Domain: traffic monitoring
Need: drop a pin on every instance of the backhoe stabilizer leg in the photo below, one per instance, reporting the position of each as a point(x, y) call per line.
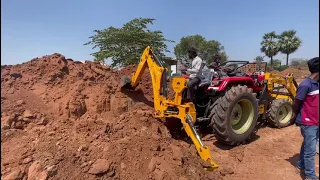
point(203, 151)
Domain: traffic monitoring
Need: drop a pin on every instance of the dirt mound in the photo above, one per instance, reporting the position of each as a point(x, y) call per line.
point(299, 73)
point(64, 119)
point(67, 119)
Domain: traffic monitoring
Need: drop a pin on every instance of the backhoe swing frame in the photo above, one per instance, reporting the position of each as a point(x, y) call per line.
point(167, 108)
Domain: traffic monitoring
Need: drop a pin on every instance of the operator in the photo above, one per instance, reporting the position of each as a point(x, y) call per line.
point(306, 110)
point(216, 64)
point(192, 72)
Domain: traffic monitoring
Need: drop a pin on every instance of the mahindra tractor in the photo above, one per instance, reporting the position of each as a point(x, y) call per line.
point(232, 101)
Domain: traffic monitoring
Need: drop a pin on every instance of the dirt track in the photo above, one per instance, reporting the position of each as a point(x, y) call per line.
point(63, 119)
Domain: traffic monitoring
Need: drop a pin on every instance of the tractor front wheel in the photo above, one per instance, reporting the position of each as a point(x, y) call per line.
point(234, 115)
point(280, 113)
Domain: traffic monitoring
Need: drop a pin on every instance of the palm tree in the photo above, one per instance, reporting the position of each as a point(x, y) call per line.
point(269, 45)
point(289, 43)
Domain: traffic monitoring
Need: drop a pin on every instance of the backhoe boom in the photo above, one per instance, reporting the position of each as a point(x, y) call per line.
point(156, 72)
point(167, 108)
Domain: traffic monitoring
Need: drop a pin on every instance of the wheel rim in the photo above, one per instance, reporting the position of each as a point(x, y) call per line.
point(242, 115)
point(284, 113)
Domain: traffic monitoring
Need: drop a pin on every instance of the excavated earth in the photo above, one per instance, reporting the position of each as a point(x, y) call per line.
point(65, 119)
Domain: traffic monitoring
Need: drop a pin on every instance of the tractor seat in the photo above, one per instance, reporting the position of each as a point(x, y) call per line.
point(231, 74)
point(207, 76)
point(236, 73)
point(206, 83)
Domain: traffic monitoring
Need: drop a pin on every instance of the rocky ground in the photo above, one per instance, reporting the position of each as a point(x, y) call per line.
point(64, 119)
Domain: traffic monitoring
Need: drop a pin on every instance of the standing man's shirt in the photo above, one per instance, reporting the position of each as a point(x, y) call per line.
point(195, 66)
point(308, 92)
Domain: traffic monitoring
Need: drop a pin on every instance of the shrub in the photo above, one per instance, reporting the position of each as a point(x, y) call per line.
point(281, 68)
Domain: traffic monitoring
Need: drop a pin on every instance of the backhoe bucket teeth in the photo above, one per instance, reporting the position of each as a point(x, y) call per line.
point(125, 82)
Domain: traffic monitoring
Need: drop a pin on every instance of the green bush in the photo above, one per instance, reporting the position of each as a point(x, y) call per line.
point(299, 63)
point(295, 63)
point(281, 68)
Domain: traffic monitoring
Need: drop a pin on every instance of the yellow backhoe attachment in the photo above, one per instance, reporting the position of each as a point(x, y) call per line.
point(287, 82)
point(165, 107)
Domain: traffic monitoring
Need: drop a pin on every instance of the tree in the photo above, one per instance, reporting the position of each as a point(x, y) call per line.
point(99, 57)
point(295, 63)
point(289, 43)
point(269, 45)
point(258, 59)
point(124, 45)
point(299, 62)
point(206, 48)
point(275, 65)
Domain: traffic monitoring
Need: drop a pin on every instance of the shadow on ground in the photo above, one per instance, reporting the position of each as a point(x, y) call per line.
point(177, 132)
point(293, 160)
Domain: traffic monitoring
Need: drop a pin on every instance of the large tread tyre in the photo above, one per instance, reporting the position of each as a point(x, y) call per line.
point(280, 113)
point(221, 115)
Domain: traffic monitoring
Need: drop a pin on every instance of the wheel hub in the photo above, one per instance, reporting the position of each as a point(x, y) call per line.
point(284, 114)
point(236, 114)
point(242, 116)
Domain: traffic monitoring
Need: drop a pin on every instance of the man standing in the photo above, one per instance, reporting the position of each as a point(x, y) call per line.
point(192, 72)
point(306, 108)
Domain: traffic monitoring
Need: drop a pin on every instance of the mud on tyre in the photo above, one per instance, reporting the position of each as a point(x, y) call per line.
point(280, 113)
point(234, 115)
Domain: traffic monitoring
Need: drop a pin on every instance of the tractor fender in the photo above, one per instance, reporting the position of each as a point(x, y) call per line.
point(230, 81)
point(261, 78)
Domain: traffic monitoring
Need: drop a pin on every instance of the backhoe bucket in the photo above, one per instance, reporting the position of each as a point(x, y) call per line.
point(125, 82)
point(203, 151)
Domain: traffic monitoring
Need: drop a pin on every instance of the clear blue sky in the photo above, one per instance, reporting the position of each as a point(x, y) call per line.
point(34, 28)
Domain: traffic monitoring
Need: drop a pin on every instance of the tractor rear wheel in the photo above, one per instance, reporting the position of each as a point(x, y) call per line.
point(280, 113)
point(234, 115)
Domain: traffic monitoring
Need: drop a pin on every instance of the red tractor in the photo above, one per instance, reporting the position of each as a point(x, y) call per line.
point(232, 101)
